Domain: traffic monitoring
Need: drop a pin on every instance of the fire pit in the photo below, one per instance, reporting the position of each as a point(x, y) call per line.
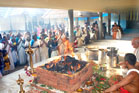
point(65, 73)
point(65, 65)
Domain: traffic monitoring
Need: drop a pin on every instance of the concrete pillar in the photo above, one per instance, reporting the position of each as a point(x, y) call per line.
point(100, 26)
point(77, 21)
point(119, 18)
point(71, 35)
point(88, 20)
point(109, 23)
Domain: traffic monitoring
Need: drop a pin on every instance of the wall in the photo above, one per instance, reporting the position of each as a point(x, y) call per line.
point(12, 23)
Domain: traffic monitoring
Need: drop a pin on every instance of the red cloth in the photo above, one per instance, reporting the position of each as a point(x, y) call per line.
point(122, 90)
point(75, 44)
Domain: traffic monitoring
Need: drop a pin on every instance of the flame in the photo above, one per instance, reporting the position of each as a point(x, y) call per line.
point(57, 60)
point(65, 58)
point(47, 66)
point(68, 48)
point(79, 66)
point(51, 65)
point(71, 67)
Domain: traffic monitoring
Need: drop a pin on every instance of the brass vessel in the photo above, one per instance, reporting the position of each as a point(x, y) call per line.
point(89, 83)
point(79, 90)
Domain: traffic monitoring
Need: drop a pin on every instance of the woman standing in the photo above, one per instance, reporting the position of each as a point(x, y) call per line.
point(35, 44)
point(21, 52)
point(8, 49)
point(43, 48)
point(114, 30)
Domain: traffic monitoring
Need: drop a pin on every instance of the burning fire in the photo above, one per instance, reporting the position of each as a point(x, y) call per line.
point(68, 47)
point(65, 64)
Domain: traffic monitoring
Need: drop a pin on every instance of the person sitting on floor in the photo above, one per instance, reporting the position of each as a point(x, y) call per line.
point(129, 84)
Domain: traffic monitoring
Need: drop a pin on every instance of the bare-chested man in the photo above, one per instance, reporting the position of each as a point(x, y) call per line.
point(129, 84)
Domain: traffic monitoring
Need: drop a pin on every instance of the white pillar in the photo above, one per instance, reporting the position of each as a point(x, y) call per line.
point(71, 35)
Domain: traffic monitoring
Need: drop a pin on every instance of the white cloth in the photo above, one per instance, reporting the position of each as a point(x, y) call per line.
point(80, 42)
point(136, 52)
point(21, 53)
point(36, 56)
point(78, 34)
point(61, 46)
point(8, 49)
point(43, 51)
point(118, 35)
point(1, 46)
point(54, 53)
point(14, 56)
point(131, 70)
point(26, 45)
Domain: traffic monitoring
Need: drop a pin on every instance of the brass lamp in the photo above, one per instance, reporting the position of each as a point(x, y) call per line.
point(20, 82)
point(30, 52)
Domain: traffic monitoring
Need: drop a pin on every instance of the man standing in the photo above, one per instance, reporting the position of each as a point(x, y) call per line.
point(135, 44)
point(129, 84)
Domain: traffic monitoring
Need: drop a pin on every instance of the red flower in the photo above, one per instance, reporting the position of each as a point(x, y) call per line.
point(102, 79)
point(28, 73)
point(30, 80)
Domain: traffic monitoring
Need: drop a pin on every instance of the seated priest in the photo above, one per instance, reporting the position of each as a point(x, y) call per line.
point(129, 84)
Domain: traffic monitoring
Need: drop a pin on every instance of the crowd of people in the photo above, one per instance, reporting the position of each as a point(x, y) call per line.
point(48, 43)
point(45, 44)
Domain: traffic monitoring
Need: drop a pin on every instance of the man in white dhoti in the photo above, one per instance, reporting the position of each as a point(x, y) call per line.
point(135, 44)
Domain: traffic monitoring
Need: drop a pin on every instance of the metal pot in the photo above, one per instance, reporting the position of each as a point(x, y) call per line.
point(112, 53)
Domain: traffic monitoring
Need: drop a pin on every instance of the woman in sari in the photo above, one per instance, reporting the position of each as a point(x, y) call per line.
point(36, 47)
point(43, 48)
point(114, 30)
point(21, 52)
